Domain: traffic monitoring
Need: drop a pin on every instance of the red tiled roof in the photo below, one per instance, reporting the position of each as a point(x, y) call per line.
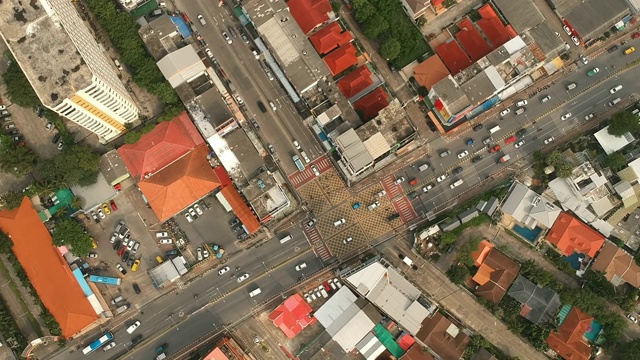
point(496, 272)
point(341, 59)
point(470, 38)
point(416, 352)
point(180, 184)
point(569, 340)
point(329, 38)
point(572, 235)
point(356, 81)
point(371, 104)
point(430, 71)
point(309, 14)
point(241, 209)
point(165, 144)
point(46, 269)
point(435, 333)
point(492, 27)
point(292, 316)
point(406, 341)
point(453, 56)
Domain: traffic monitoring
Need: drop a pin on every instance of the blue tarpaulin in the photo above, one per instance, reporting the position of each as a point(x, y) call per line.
point(183, 27)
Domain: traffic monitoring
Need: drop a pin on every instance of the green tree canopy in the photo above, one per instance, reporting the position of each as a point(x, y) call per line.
point(11, 199)
point(78, 165)
point(70, 232)
point(19, 90)
point(5, 243)
point(457, 273)
point(14, 159)
point(630, 350)
point(616, 161)
point(623, 122)
point(390, 49)
point(563, 169)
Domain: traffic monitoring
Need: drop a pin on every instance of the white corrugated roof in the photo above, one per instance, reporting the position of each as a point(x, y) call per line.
point(353, 331)
point(335, 306)
point(181, 65)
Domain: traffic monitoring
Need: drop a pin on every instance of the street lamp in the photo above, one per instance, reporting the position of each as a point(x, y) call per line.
point(174, 323)
point(266, 269)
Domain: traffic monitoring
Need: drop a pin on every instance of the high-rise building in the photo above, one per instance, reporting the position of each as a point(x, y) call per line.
point(68, 69)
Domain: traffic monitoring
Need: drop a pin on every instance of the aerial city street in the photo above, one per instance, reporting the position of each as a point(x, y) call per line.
point(320, 179)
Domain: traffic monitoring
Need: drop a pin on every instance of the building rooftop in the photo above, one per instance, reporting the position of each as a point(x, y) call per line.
point(389, 128)
point(215, 108)
point(46, 269)
point(353, 150)
point(546, 38)
point(44, 50)
point(329, 38)
point(430, 71)
point(310, 14)
point(610, 143)
point(356, 81)
point(341, 59)
point(529, 208)
point(168, 142)
point(493, 28)
point(572, 235)
point(443, 337)
point(180, 184)
point(569, 341)
point(453, 56)
point(181, 66)
point(496, 272)
point(523, 15)
point(480, 87)
point(240, 208)
point(539, 304)
point(113, 168)
point(588, 16)
point(370, 105)
point(292, 316)
point(471, 40)
point(617, 265)
point(448, 98)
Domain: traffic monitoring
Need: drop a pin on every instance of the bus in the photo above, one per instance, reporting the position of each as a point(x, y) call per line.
point(98, 343)
point(104, 280)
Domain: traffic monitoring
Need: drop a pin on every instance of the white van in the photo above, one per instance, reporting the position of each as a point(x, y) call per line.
point(117, 300)
point(571, 86)
point(423, 167)
point(117, 63)
point(285, 239)
point(614, 101)
point(202, 20)
point(456, 184)
point(494, 129)
point(305, 157)
point(255, 292)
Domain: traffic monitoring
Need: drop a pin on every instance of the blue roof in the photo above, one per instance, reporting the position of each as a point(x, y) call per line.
point(183, 27)
point(83, 283)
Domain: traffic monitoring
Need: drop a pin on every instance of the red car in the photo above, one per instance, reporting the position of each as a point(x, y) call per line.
point(635, 35)
point(413, 181)
point(113, 205)
point(121, 250)
point(510, 140)
point(326, 286)
point(494, 149)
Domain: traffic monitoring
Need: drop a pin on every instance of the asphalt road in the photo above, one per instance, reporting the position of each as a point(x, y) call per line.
point(179, 318)
point(279, 127)
point(593, 101)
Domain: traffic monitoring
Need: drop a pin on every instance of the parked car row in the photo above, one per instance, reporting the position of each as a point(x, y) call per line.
point(323, 290)
point(104, 210)
point(193, 213)
point(9, 127)
point(238, 228)
point(125, 246)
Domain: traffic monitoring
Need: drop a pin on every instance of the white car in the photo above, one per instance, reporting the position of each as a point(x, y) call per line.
point(505, 112)
point(632, 318)
point(199, 252)
point(399, 180)
point(165, 241)
point(205, 253)
point(565, 116)
point(545, 99)
point(519, 143)
point(273, 106)
point(566, 29)
point(442, 177)
point(113, 238)
point(188, 217)
point(136, 246)
point(521, 103)
point(297, 145)
point(242, 277)
point(223, 270)
point(584, 59)
point(109, 346)
point(315, 170)
point(130, 245)
point(133, 327)
point(255, 54)
point(301, 266)
point(227, 38)
point(347, 240)
point(193, 213)
point(589, 116)
point(575, 40)
point(339, 222)
point(101, 214)
point(615, 89)
point(162, 234)
point(549, 140)
point(427, 188)
point(196, 207)
point(463, 154)
point(373, 206)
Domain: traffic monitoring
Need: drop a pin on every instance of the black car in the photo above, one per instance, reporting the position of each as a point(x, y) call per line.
point(413, 194)
point(116, 245)
point(55, 138)
point(136, 288)
point(13, 132)
point(234, 221)
point(475, 159)
point(613, 48)
point(457, 170)
point(521, 133)
point(255, 124)
point(130, 261)
point(125, 256)
point(478, 127)
point(136, 339)
point(393, 217)
point(40, 112)
point(262, 107)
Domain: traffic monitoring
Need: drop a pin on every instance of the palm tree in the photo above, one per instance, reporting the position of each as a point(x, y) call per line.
point(77, 203)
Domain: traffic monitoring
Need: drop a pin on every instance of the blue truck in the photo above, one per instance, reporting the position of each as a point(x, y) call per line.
point(296, 159)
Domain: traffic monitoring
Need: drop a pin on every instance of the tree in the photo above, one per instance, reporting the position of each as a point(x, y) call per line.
point(364, 10)
point(132, 137)
point(19, 90)
point(616, 161)
point(563, 169)
point(457, 273)
point(623, 122)
point(70, 232)
point(375, 26)
point(11, 199)
point(17, 160)
point(390, 49)
point(630, 350)
point(77, 202)
point(76, 166)
point(5, 243)
point(554, 158)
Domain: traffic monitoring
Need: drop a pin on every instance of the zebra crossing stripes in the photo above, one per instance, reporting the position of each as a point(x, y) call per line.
point(319, 247)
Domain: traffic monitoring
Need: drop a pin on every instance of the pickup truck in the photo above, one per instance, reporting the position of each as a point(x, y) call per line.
point(504, 159)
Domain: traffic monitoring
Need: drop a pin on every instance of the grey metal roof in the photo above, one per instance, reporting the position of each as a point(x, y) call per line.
point(353, 150)
point(520, 205)
point(467, 215)
point(523, 14)
point(451, 94)
point(335, 306)
point(181, 66)
point(479, 88)
point(488, 207)
point(546, 38)
point(590, 17)
point(450, 225)
point(164, 273)
point(541, 302)
point(162, 26)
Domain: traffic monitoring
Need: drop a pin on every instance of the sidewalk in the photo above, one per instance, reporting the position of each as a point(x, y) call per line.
point(460, 303)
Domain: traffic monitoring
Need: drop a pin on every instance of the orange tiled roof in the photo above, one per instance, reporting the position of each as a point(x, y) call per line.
point(369, 106)
point(241, 209)
point(569, 340)
point(496, 272)
point(168, 142)
point(430, 71)
point(572, 235)
point(180, 184)
point(615, 262)
point(47, 270)
point(355, 82)
point(479, 255)
point(341, 58)
point(292, 316)
point(329, 38)
point(309, 14)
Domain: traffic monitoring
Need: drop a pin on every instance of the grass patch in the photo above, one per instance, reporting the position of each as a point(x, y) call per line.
point(23, 304)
